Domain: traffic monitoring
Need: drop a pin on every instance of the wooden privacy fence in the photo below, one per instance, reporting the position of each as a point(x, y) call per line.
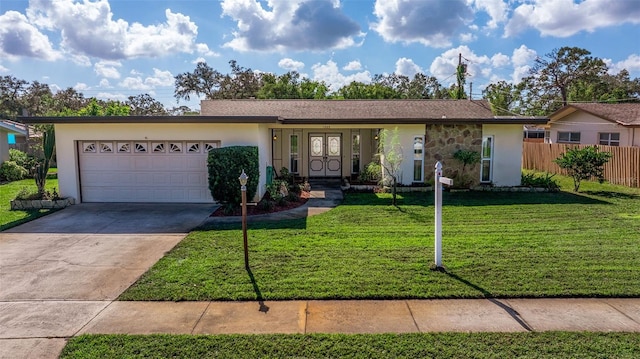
point(623, 168)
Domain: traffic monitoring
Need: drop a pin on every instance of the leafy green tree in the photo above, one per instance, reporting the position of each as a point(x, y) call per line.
point(11, 91)
point(583, 163)
point(205, 81)
point(391, 158)
point(145, 105)
point(502, 97)
point(313, 90)
point(552, 76)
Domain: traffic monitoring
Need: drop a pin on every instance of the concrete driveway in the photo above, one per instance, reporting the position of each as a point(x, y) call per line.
point(61, 270)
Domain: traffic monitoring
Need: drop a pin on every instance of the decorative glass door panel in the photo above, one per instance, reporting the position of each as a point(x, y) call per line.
point(325, 158)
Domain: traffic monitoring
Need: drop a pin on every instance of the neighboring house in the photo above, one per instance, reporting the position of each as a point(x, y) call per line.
point(596, 124)
point(8, 129)
point(533, 133)
point(163, 158)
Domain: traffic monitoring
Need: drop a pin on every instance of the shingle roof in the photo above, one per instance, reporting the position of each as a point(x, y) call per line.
point(358, 111)
point(343, 112)
point(627, 114)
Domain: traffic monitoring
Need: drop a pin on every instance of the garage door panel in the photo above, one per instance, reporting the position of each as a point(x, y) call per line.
point(128, 174)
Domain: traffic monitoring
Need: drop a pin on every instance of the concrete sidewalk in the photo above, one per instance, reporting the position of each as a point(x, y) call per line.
point(40, 329)
point(368, 316)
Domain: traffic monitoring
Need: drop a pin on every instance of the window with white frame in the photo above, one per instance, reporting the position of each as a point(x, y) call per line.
point(610, 138)
point(293, 153)
point(547, 136)
point(418, 158)
point(486, 160)
point(355, 153)
point(568, 137)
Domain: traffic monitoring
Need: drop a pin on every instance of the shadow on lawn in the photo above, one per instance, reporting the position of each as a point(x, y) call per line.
point(299, 223)
point(263, 307)
point(478, 198)
point(512, 312)
point(612, 195)
point(31, 215)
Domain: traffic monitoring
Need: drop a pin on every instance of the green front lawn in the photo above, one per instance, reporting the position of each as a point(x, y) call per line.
point(8, 192)
point(436, 345)
point(495, 245)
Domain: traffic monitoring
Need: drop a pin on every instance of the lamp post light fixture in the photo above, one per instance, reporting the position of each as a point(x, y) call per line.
point(243, 188)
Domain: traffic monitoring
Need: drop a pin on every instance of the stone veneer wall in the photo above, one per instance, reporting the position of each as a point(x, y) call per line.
point(442, 141)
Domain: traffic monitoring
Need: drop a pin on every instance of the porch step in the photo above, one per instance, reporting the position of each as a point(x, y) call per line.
point(325, 183)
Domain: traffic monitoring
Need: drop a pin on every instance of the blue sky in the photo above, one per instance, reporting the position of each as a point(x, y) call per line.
point(112, 49)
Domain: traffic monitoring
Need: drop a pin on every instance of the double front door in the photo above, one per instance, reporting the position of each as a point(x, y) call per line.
point(325, 155)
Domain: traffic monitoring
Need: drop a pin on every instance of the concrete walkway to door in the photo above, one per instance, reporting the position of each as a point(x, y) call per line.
point(58, 272)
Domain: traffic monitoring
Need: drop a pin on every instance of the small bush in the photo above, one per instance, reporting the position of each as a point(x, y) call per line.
point(542, 181)
point(372, 173)
point(11, 171)
point(583, 163)
point(22, 159)
point(293, 197)
point(266, 205)
point(225, 165)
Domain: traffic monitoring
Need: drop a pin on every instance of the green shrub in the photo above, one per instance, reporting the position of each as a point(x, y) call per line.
point(583, 163)
point(543, 181)
point(266, 205)
point(11, 171)
point(22, 159)
point(277, 190)
point(372, 173)
point(225, 166)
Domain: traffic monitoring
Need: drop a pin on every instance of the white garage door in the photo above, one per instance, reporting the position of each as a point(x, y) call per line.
point(144, 171)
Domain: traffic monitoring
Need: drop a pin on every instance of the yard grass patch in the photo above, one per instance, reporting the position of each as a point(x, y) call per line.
point(431, 345)
point(8, 192)
point(495, 244)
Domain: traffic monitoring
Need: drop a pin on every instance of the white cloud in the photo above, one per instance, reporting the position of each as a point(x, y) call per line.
point(199, 60)
point(407, 67)
point(19, 38)
point(330, 74)
point(354, 65)
point(203, 49)
point(107, 69)
point(88, 28)
point(444, 66)
point(3, 69)
point(290, 64)
point(522, 60)
point(81, 60)
point(429, 22)
point(500, 60)
point(497, 10)
point(468, 37)
point(631, 64)
point(81, 86)
point(111, 96)
point(564, 18)
point(290, 25)
point(105, 83)
point(158, 79)
point(134, 83)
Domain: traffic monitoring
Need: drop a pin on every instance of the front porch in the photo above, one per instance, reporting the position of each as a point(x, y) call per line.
point(323, 152)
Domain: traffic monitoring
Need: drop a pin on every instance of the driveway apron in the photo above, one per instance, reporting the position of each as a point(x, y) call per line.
point(60, 271)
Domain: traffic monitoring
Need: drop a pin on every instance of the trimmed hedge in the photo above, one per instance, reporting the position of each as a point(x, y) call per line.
point(225, 166)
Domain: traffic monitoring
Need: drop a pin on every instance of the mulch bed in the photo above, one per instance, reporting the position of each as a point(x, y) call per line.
point(253, 210)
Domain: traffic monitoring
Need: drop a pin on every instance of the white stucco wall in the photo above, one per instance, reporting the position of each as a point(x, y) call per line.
point(228, 134)
point(507, 153)
point(590, 127)
point(406, 133)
